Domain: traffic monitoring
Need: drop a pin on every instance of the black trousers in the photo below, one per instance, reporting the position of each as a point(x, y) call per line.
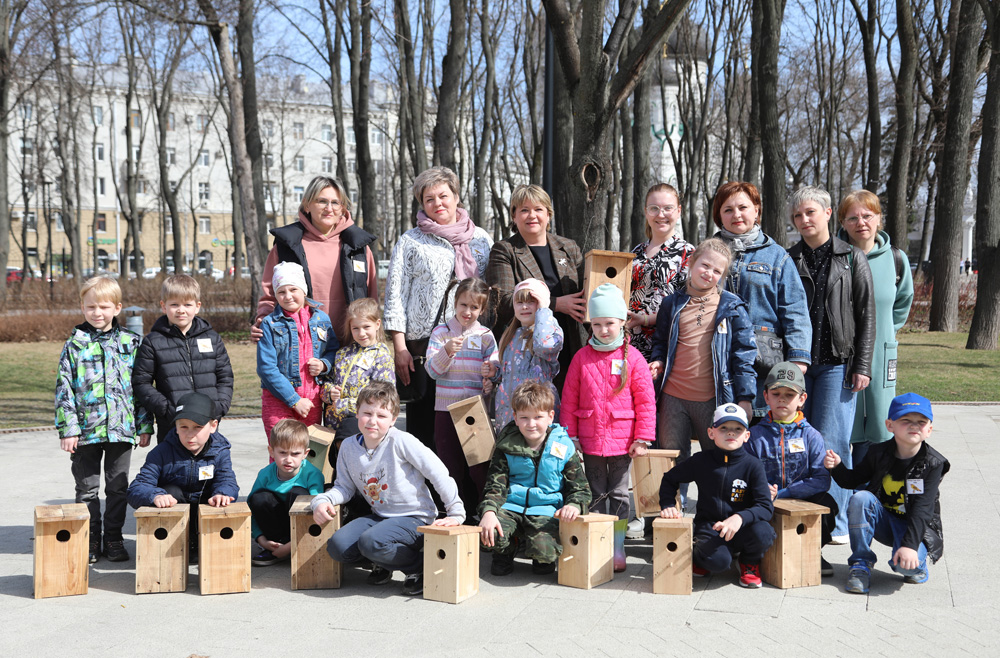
point(270, 512)
point(86, 467)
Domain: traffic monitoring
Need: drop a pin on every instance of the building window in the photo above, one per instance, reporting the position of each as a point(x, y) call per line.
point(171, 155)
point(376, 137)
point(327, 165)
point(134, 119)
point(268, 128)
point(173, 186)
point(136, 153)
point(203, 123)
point(140, 186)
point(354, 198)
point(298, 130)
point(171, 122)
point(326, 133)
point(27, 146)
point(57, 216)
point(352, 166)
point(102, 223)
point(299, 192)
point(300, 163)
point(100, 186)
point(204, 191)
point(168, 224)
point(99, 152)
point(203, 157)
point(26, 109)
point(31, 220)
point(97, 112)
point(204, 225)
point(268, 160)
point(350, 136)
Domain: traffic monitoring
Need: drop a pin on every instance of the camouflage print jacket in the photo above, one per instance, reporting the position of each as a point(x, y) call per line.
point(94, 390)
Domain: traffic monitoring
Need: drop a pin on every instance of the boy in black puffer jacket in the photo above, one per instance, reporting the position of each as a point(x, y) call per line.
point(182, 354)
point(734, 502)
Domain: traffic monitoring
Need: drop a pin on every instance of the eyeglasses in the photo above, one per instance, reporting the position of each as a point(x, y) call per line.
point(323, 203)
point(867, 218)
point(653, 211)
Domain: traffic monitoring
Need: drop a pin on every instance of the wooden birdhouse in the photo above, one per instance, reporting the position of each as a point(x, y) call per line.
point(161, 549)
point(474, 429)
point(672, 556)
point(600, 267)
point(62, 549)
point(224, 548)
point(451, 562)
point(321, 442)
point(588, 544)
point(794, 558)
point(647, 474)
point(312, 566)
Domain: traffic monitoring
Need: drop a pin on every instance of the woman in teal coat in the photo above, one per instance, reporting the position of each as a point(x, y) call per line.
point(860, 216)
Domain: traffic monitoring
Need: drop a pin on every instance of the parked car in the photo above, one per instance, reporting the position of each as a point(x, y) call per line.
point(244, 272)
point(150, 272)
point(14, 274)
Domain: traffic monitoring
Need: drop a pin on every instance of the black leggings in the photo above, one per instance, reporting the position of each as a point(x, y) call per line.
point(271, 512)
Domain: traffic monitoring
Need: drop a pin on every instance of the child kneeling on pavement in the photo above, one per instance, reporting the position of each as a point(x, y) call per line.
point(536, 479)
point(897, 503)
point(388, 466)
point(734, 502)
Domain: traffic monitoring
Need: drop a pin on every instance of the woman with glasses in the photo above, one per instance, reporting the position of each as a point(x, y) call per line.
point(860, 217)
point(334, 252)
point(660, 267)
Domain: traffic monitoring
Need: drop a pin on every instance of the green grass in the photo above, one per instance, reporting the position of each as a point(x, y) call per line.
point(936, 365)
point(28, 382)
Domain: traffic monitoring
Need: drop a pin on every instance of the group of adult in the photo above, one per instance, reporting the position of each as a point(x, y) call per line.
point(832, 304)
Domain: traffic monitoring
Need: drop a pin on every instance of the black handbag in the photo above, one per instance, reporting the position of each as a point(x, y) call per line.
point(416, 390)
point(770, 351)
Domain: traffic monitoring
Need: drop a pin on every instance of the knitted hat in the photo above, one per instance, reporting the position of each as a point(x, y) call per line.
point(289, 274)
point(607, 302)
point(538, 290)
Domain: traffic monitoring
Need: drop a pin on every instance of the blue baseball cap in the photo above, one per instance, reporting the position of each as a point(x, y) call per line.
point(909, 403)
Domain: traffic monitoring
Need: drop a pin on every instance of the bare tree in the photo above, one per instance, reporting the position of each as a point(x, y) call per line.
point(773, 189)
point(897, 206)
point(451, 80)
point(11, 13)
point(868, 24)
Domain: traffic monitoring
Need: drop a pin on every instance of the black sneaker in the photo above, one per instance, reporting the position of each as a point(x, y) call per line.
point(379, 575)
point(413, 585)
point(264, 559)
point(114, 550)
point(542, 568)
point(95, 551)
point(503, 565)
point(825, 568)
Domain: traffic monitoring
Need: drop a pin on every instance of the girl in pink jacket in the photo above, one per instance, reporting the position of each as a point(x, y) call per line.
point(608, 403)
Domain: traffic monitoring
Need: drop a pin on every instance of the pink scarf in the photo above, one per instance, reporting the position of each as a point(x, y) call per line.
point(458, 235)
point(309, 388)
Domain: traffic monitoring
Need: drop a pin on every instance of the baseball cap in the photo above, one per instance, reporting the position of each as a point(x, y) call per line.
point(730, 411)
point(196, 407)
point(909, 403)
point(785, 374)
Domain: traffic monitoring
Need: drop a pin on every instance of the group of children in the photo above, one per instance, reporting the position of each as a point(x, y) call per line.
point(700, 381)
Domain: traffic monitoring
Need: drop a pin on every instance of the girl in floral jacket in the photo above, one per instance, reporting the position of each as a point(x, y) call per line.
point(529, 348)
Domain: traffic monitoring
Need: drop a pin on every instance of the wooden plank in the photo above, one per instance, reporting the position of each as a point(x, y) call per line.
point(672, 556)
point(321, 442)
point(587, 559)
point(451, 562)
point(474, 429)
point(61, 565)
point(601, 266)
point(312, 566)
point(794, 558)
point(224, 548)
point(161, 549)
point(795, 507)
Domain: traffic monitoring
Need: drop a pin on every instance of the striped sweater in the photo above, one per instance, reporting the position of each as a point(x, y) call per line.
point(458, 376)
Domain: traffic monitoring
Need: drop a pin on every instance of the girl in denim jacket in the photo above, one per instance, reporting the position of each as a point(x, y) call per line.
point(297, 346)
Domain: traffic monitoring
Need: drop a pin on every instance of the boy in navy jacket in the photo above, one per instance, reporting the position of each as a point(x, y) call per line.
point(191, 465)
point(734, 503)
point(791, 449)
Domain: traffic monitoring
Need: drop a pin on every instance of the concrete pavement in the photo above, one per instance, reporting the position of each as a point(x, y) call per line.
point(522, 615)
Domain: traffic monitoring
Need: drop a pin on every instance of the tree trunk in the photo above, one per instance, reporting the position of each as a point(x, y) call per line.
point(361, 62)
point(868, 26)
point(248, 107)
point(773, 190)
point(451, 80)
point(898, 207)
point(751, 166)
point(333, 36)
point(238, 144)
point(985, 327)
point(628, 192)
point(413, 96)
point(485, 153)
point(946, 245)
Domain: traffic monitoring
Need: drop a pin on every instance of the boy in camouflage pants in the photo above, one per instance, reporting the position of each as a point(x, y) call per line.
point(96, 414)
point(536, 478)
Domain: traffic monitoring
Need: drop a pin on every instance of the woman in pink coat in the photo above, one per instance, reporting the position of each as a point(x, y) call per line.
point(608, 403)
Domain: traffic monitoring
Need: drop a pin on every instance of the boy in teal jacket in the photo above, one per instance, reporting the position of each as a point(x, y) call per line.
point(536, 479)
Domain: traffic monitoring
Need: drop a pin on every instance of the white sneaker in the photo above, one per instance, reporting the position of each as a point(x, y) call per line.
point(636, 529)
point(840, 540)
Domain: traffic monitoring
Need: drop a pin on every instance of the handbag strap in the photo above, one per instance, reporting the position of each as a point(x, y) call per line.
point(444, 304)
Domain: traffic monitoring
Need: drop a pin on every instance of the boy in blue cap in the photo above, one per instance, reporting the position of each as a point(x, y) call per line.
point(898, 502)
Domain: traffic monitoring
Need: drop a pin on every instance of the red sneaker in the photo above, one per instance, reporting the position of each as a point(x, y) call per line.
point(697, 571)
point(750, 575)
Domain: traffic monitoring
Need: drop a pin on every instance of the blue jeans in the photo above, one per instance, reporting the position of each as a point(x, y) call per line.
point(869, 520)
point(392, 543)
point(830, 409)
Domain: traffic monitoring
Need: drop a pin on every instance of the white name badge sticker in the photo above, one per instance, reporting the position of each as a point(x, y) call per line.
point(797, 445)
point(359, 266)
point(558, 450)
point(475, 342)
point(321, 332)
point(204, 345)
point(206, 472)
point(616, 366)
point(915, 486)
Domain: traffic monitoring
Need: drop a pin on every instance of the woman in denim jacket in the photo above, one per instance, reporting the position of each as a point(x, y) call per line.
point(764, 276)
point(298, 344)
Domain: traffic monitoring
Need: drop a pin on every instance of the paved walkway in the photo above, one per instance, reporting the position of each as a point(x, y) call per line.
point(955, 613)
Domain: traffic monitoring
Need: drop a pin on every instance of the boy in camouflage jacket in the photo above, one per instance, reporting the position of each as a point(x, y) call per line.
point(96, 414)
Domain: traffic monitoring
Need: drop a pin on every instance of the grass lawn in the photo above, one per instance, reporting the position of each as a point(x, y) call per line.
point(936, 365)
point(28, 381)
